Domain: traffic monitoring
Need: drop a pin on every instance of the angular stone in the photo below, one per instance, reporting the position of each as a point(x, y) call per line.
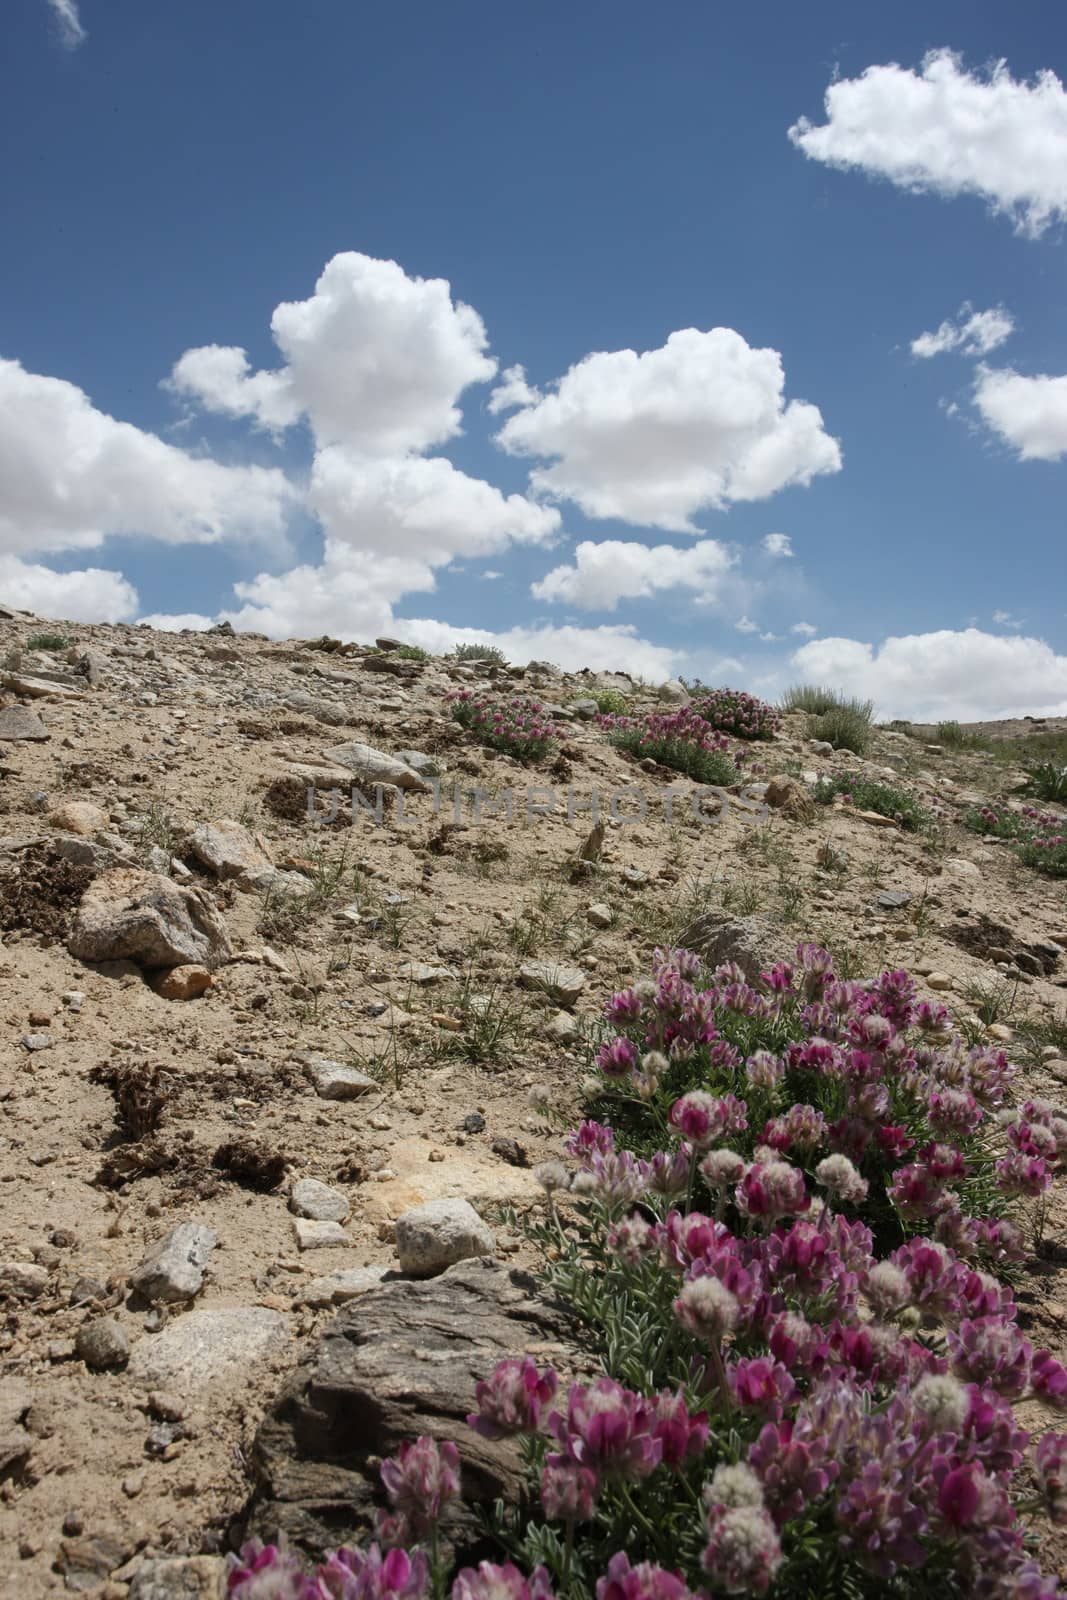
point(311, 1235)
point(893, 899)
point(230, 850)
point(39, 687)
point(790, 797)
point(426, 766)
point(438, 1234)
point(600, 915)
point(959, 867)
point(19, 722)
point(209, 1350)
point(563, 984)
point(374, 766)
point(672, 692)
point(423, 972)
point(173, 1269)
point(310, 1198)
point(563, 1028)
point(127, 914)
point(401, 1361)
point(334, 1080)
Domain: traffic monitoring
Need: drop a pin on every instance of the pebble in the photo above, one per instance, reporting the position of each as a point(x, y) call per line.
point(939, 980)
point(600, 915)
point(335, 1080)
point(102, 1344)
point(173, 1269)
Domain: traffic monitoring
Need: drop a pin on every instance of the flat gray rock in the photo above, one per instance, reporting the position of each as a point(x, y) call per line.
point(311, 1235)
point(337, 1288)
point(564, 984)
point(310, 1198)
point(208, 1349)
point(335, 1080)
point(374, 766)
point(19, 722)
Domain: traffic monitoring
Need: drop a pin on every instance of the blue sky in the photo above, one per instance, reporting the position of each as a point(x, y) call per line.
point(589, 181)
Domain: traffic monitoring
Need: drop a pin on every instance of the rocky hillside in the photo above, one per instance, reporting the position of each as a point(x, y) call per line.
point(258, 1059)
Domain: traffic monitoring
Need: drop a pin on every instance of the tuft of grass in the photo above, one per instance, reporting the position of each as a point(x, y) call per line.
point(846, 726)
point(816, 699)
point(1048, 781)
point(883, 798)
point(48, 641)
point(412, 652)
point(480, 652)
point(954, 736)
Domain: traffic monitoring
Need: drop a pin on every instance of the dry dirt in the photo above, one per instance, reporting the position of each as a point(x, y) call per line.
point(141, 1112)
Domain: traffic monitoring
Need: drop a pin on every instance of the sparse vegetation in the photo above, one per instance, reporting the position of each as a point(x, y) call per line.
point(411, 652)
point(610, 702)
point(480, 652)
point(866, 795)
point(954, 736)
point(48, 641)
point(518, 726)
point(1048, 781)
point(846, 727)
point(1040, 838)
point(816, 700)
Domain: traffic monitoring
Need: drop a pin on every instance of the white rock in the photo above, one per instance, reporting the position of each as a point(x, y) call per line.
point(437, 1235)
point(208, 1349)
point(174, 1268)
point(334, 1080)
point(310, 1198)
point(564, 984)
point(374, 766)
point(336, 1288)
point(311, 1235)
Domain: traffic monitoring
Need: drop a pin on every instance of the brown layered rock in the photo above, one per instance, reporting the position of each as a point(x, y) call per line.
point(128, 914)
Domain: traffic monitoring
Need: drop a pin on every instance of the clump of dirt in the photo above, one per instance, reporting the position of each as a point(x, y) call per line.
point(41, 893)
point(989, 940)
point(141, 1092)
point(249, 1162)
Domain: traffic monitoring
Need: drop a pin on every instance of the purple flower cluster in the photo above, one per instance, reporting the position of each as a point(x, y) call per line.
point(735, 712)
point(518, 726)
point(682, 740)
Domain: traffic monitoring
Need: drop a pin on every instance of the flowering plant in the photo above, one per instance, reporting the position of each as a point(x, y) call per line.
point(1040, 837)
point(681, 740)
point(785, 1248)
point(518, 726)
point(735, 712)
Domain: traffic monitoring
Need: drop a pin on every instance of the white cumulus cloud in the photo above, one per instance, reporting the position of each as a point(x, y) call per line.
point(376, 359)
point(89, 595)
point(806, 629)
point(174, 622)
point(71, 475)
point(655, 438)
point(964, 674)
point(71, 33)
point(778, 545)
point(613, 647)
point(1030, 414)
point(972, 333)
point(605, 573)
point(512, 390)
point(949, 131)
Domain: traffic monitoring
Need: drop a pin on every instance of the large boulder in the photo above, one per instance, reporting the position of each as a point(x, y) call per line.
point(400, 1361)
point(129, 914)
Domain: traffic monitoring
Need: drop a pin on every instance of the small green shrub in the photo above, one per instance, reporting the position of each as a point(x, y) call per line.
point(846, 727)
point(610, 702)
point(47, 641)
point(518, 726)
point(866, 795)
point(412, 652)
point(480, 652)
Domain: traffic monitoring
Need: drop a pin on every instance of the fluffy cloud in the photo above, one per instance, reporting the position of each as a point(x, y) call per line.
point(806, 629)
point(71, 33)
point(375, 358)
point(73, 475)
point(614, 570)
point(91, 595)
point(512, 390)
point(951, 132)
point(170, 622)
point(966, 674)
point(1028, 413)
point(419, 507)
point(615, 647)
point(974, 333)
point(654, 438)
point(778, 545)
